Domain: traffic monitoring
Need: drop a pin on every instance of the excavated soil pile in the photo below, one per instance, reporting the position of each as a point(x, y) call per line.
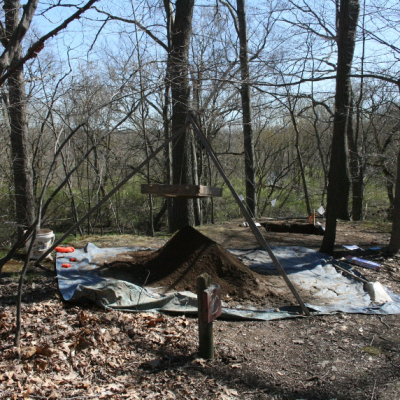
point(177, 264)
point(188, 254)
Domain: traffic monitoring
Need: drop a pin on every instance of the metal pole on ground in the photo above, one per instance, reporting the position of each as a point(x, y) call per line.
point(252, 225)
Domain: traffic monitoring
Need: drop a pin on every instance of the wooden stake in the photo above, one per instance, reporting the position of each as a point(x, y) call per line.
point(206, 337)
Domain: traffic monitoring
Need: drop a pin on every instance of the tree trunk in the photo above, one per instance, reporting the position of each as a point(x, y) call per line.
point(300, 160)
point(320, 152)
point(196, 79)
point(356, 170)
point(339, 182)
point(394, 244)
point(22, 169)
point(389, 190)
point(169, 12)
point(245, 92)
point(182, 209)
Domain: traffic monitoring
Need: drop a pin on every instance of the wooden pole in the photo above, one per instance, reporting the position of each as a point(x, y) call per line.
point(252, 225)
point(206, 337)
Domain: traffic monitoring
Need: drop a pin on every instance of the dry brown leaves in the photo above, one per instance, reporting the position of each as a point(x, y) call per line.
point(88, 353)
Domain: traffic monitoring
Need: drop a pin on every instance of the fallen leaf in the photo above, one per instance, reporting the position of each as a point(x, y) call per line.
point(41, 365)
point(45, 350)
point(53, 395)
point(114, 331)
point(115, 387)
point(28, 352)
point(230, 392)
point(200, 361)
point(83, 343)
point(183, 321)
point(152, 323)
point(9, 374)
point(36, 380)
point(83, 319)
point(83, 385)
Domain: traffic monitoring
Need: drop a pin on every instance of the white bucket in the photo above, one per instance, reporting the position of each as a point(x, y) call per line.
point(43, 241)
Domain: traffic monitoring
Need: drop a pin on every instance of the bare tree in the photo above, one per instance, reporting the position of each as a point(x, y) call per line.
point(245, 92)
point(339, 183)
point(12, 61)
point(24, 201)
point(182, 209)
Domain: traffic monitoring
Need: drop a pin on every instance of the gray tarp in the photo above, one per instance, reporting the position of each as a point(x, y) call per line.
point(331, 291)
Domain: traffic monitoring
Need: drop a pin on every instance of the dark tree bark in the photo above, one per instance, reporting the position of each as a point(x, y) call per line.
point(22, 169)
point(182, 209)
point(394, 244)
point(300, 158)
point(169, 13)
point(339, 182)
point(390, 192)
point(245, 92)
point(356, 169)
point(197, 155)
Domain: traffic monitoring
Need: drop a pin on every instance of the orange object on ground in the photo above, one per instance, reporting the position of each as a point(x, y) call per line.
point(69, 249)
point(66, 265)
point(73, 259)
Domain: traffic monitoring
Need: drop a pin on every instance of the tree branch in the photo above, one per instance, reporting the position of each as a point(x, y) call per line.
point(39, 44)
point(138, 24)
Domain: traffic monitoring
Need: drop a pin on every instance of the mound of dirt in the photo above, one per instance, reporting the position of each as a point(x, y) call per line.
point(189, 254)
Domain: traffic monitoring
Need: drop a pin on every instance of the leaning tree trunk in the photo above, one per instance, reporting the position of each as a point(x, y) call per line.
point(182, 209)
point(245, 92)
point(339, 182)
point(22, 169)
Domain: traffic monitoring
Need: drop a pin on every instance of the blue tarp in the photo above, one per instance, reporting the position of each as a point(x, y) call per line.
point(327, 291)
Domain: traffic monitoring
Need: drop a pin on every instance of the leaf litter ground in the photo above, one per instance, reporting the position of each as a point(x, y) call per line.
point(79, 351)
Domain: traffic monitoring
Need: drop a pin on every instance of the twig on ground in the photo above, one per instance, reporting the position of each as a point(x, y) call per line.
point(372, 341)
point(144, 284)
point(373, 390)
point(40, 266)
point(383, 322)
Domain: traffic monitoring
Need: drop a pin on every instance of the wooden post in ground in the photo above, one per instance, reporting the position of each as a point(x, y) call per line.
point(206, 337)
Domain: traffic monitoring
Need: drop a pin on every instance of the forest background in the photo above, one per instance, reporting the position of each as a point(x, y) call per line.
point(97, 96)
